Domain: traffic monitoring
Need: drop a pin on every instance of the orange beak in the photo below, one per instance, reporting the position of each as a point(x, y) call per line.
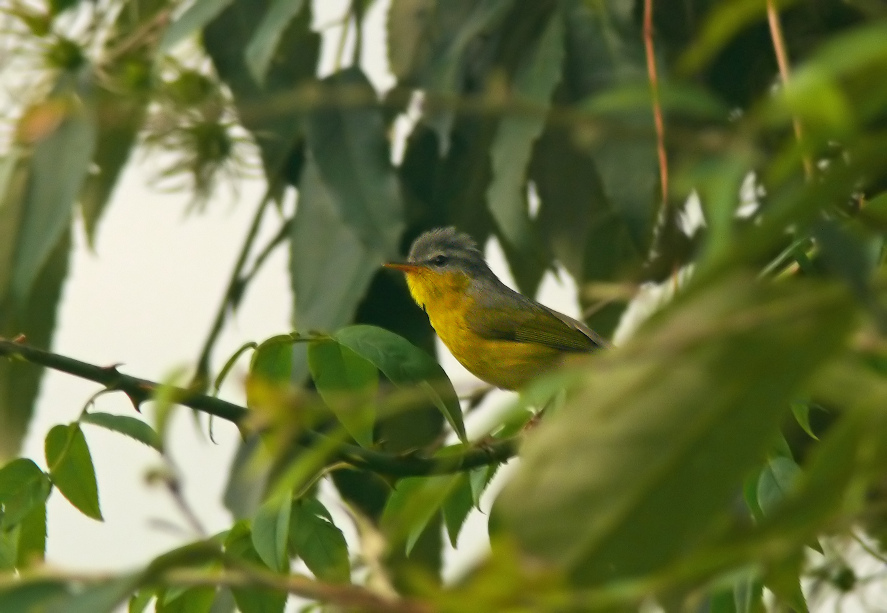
point(407, 268)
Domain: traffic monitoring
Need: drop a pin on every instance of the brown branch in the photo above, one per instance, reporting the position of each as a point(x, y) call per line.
point(140, 390)
point(657, 106)
point(784, 69)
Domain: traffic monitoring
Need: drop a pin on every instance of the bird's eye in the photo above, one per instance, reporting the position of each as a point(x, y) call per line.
point(439, 260)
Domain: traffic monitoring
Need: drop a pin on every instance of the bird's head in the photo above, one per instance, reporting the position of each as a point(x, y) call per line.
point(440, 260)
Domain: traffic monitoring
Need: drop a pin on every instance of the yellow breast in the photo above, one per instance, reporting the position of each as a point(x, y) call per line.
point(503, 363)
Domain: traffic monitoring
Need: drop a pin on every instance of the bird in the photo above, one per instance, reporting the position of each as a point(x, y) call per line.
point(499, 335)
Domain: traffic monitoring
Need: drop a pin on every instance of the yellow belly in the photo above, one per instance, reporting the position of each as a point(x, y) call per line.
point(505, 364)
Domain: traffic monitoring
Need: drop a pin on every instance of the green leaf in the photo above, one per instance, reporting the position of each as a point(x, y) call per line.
point(405, 365)
point(58, 168)
point(271, 531)
point(348, 384)
point(318, 542)
point(510, 151)
point(351, 149)
point(31, 595)
point(272, 359)
point(264, 41)
point(457, 506)
point(330, 268)
point(278, 134)
point(194, 18)
point(8, 550)
point(239, 544)
point(408, 42)
point(139, 601)
point(192, 600)
point(413, 504)
point(778, 479)
point(71, 469)
point(650, 455)
point(35, 317)
point(23, 488)
point(102, 597)
point(479, 478)
point(32, 538)
point(128, 426)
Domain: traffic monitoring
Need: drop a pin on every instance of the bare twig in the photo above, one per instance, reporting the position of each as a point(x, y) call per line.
point(657, 106)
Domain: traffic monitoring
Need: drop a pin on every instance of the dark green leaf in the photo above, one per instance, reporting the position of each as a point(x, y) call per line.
point(348, 384)
point(238, 543)
point(801, 411)
point(271, 531)
point(23, 488)
point(318, 542)
point(128, 426)
point(405, 365)
point(629, 481)
point(264, 42)
point(71, 469)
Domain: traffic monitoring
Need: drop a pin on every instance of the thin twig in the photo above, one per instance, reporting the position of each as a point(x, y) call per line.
point(657, 106)
point(784, 69)
point(140, 390)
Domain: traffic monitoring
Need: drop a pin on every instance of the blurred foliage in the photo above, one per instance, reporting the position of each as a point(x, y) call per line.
point(732, 446)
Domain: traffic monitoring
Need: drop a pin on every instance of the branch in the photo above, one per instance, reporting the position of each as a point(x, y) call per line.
point(140, 390)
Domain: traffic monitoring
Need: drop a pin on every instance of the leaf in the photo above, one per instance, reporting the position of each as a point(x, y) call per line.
point(19, 381)
point(31, 547)
point(139, 601)
point(293, 66)
point(510, 151)
point(318, 542)
point(348, 384)
point(128, 426)
point(456, 507)
point(645, 460)
point(405, 365)
point(23, 488)
point(351, 149)
point(192, 600)
point(408, 42)
point(238, 544)
point(272, 359)
point(330, 268)
point(31, 595)
point(195, 17)
point(413, 504)
point(102, 597)
point(71, 469)
point(58, 168)
point(271, 531)
point(265, 39)
point(777, 480)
